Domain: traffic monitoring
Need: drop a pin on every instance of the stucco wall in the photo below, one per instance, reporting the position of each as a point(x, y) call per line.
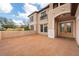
point(12, 34)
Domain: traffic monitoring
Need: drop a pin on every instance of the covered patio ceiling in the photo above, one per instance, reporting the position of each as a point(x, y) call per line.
point(74, 7)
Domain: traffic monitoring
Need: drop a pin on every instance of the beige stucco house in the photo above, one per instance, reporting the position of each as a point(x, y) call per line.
point(57, 20)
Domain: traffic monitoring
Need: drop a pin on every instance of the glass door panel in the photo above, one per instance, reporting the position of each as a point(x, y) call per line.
point(62, 27)
point(69, 27)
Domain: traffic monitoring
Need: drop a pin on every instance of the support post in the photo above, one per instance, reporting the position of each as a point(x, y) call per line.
point(51, 25)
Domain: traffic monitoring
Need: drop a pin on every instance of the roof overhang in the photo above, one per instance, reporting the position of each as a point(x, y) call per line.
point(32, 13)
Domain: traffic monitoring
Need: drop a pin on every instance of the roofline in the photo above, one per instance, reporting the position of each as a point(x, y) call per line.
point(39, 10)
point(33, 13)
point(44, 8)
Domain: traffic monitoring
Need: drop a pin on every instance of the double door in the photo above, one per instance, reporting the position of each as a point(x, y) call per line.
point(65, 29)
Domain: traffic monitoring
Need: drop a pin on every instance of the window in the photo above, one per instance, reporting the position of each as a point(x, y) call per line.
point(41, 28)
point(32, 27)
point(43, 15)
point(62, 3)
point(31, 19)
point(45, 28)
point(55, 5)
point(61, 27)
point(69, 27)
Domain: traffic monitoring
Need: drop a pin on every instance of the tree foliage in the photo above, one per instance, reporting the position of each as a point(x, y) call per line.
point(6, 23)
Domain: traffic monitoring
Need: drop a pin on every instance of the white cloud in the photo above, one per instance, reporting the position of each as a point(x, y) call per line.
point(23, 15)
point(43, 4)
point(29, 8)
point(5, 7)
point(18, 22)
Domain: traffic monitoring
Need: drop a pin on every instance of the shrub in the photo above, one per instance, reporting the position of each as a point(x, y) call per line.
point(26, 28)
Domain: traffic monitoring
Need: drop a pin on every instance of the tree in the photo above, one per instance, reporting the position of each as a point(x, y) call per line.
point(6, 23)
point(26, 27)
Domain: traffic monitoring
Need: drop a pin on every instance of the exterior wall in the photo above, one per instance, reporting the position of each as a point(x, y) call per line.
point(44, 21)
point(74, 29)
point(77, 30)
point(60, 10)
point(52, 15)
point(34, 23)
point(77, 25)
point(56, 29)
point(50, 6)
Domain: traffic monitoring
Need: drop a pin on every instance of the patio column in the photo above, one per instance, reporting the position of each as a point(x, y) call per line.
point(0, 35)
point(77, 30)
point(51, 31)
point(51, 27)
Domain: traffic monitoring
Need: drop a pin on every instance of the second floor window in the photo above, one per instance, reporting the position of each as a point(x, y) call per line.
point(31, 19)
point(43, 15)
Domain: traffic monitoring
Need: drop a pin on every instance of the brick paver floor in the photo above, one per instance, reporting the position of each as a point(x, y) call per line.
point(37, 45)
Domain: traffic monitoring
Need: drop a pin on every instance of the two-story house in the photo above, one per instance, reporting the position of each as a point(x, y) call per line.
point(57, 20)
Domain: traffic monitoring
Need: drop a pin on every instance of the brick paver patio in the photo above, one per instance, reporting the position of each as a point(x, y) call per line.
point(38, 45)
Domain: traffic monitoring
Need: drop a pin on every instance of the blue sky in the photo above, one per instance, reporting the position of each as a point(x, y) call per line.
point(19, 11)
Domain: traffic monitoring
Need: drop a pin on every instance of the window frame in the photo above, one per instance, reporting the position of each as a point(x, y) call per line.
point(43, 15)
point(44, 26)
